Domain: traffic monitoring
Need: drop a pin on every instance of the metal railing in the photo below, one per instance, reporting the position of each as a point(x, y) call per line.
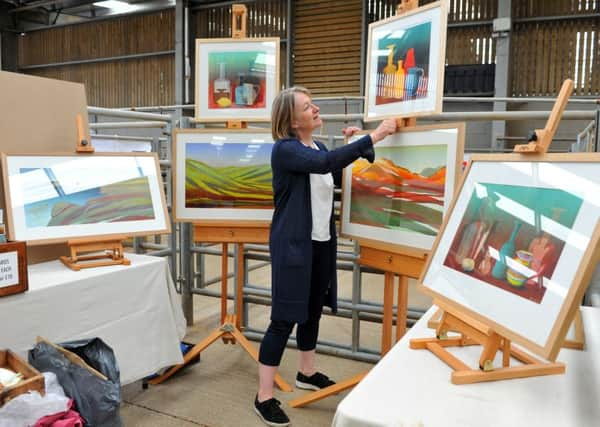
point(137, 120)
point(191, 272)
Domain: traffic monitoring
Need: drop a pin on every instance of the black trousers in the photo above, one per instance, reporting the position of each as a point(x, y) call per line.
point(278, 332)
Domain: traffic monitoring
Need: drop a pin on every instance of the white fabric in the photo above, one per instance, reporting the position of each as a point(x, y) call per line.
point(25, 409)
point(134, 309)
point(321, 204)
point(412, 388)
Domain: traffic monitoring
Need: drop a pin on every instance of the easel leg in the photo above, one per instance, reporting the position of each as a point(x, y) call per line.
point(194, 351)
point(388, 298)
point(326, 392)
point(402, 307)
point(239, 289)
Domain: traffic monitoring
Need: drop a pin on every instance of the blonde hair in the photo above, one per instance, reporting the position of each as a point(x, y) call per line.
point(282, 113)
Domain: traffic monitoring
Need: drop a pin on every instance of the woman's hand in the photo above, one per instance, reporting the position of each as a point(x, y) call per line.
point(385, 128)
point(350, 131)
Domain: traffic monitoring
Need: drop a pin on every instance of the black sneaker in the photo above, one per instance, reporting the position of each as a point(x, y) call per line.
point(317, 381)
point(270, 412)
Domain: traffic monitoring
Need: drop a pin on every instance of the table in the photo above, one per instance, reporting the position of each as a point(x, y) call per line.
point(412, 388)
point(134, 309)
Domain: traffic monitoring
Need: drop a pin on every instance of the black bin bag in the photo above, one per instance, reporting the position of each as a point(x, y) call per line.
point(97, 400)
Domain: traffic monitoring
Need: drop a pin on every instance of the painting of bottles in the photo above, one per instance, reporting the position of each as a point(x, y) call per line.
point(405, 63)
point(403, 72)
point(512, 237)
point(236, 79)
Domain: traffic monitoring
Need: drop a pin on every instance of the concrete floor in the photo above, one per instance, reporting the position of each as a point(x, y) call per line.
point(219, 391)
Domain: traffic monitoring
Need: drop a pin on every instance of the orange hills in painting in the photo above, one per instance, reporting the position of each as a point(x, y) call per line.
point(384, 177)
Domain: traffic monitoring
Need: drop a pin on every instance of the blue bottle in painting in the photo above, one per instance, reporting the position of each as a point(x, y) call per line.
point(506, 251)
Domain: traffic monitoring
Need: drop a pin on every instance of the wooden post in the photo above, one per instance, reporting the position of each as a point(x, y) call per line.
point(239, 18)
point(406, 5)
point(82, 145)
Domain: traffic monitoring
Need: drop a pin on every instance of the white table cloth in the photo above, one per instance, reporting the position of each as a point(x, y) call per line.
point(134, 309)
point(412, 388)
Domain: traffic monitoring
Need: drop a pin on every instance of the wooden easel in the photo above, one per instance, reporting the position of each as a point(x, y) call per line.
point(231, 324)
point(403, 264)
point(78, 248)
point(474, 332)
point(240, 233)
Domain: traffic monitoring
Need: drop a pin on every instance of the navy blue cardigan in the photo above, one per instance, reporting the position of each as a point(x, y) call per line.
point(290, 236)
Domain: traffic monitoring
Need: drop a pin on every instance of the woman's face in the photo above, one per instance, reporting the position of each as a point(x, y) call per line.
point(306, 114)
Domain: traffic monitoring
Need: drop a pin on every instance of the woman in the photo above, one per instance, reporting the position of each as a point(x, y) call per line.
point(303, 240)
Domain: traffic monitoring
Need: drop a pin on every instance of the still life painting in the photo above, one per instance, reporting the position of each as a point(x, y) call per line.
point(223, 175)
point(59, 197)
point(236, 79)
point(405, 64)
point(519, 245)
point(401, 197)
point(509, 236)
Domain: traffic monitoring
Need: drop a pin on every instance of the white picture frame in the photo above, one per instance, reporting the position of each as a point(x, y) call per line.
point(51, 198)
point(406, 57)
point(223, 176)
point(377, 200)
point(546, 205)
point(236, 79)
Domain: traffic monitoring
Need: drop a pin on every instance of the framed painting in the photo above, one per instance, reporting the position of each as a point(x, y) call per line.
point(236, 79)
point(518, 247)
point(56, 197)
point(405, 64)
point(223, 176)
point(399, 200)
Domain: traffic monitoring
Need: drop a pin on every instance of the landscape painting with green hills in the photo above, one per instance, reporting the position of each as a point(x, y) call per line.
point(228, 175)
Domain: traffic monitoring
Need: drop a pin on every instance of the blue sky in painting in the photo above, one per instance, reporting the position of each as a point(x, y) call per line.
point(228, 154)
point(38, 214)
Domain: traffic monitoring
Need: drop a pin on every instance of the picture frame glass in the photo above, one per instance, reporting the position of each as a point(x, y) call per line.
point(405, 64)
point(223, 176)
point(513, 245)
point(236, 79)
point(57, 197)
point(401, 198)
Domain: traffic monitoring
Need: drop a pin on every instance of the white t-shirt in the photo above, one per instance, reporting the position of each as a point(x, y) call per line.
point(321, 203)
